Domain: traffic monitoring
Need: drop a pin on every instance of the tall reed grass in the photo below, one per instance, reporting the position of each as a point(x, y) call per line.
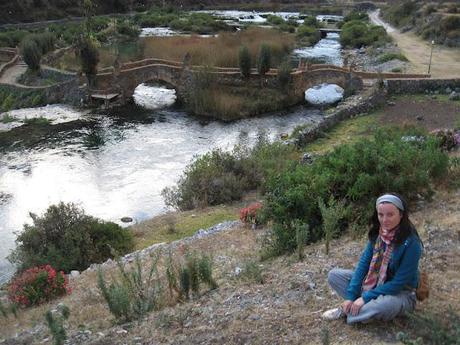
point(220, 51)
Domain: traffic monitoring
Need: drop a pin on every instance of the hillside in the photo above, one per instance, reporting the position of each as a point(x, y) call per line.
point(276, 301)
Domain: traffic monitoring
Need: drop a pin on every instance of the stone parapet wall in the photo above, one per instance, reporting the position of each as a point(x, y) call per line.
point(413, 86)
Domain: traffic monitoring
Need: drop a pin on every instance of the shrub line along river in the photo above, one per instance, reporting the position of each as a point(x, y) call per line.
point(118, 165)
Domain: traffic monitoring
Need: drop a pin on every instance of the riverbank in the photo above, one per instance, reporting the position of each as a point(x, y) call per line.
point(282, 298)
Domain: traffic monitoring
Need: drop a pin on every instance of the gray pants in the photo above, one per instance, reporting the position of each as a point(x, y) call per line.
point(382, 308)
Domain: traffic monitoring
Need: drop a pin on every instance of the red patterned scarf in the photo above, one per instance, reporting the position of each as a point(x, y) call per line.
point(378, 267)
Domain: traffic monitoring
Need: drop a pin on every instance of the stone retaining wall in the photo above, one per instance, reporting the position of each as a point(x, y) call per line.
point(352, 106)
point(414, 86)
point(68, 92)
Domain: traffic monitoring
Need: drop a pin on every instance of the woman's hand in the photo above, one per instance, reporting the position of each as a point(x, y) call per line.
point(346, 305)
point(356, 306)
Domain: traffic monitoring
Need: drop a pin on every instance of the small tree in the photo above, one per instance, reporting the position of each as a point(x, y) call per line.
point(284, 74)
point(244, 60)
point(32, 54)
point(264, 61)
point(331, 214)
point(56, 323)
point(89, 57)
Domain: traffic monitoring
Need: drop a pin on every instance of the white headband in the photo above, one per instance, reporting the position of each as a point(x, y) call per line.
point(393, 199)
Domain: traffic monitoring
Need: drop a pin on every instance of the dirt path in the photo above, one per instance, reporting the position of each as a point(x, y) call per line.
point(12, 74)
point(445, 62)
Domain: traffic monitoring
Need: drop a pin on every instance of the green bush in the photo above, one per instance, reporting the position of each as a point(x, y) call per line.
point(354, 173)
point(356, 15)
point(31, 53)
point(391, 56)
point(133, 294)
point(284, 74)
point(264, 59)
point(244, 60)
point(12, 38)
point(308, 34)
point(433, 329)
point(275, 20)
point(55, 323)
point(88, 56)
point(68, 239)
point(357, 34)
point(125, 27)
point(401, 13)
point(220, 177)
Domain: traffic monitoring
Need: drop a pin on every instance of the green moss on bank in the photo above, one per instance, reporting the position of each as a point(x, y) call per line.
point(176, 225)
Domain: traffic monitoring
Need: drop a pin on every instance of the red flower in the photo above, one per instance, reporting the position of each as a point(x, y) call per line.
point(37, 285)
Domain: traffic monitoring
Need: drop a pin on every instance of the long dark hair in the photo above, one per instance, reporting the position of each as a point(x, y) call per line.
point(406, 228)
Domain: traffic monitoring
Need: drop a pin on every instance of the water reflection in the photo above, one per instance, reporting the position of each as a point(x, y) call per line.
point(119, 166)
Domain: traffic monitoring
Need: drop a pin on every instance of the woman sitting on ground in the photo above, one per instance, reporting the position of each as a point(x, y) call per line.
point(384, 282)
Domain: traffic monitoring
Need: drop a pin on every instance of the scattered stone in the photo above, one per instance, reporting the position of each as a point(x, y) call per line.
point(390, 103)
point(254, 317)
point(419, 118)
point(448, 90)
point(126, 219)
point(122, 331)
point(454, 96)
point(284, 136)
point(307, 158)
point(238, 270)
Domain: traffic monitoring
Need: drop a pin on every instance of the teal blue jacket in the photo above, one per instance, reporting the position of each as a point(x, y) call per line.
point(402, 271)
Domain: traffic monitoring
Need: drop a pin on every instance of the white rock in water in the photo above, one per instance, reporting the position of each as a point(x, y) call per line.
point(152, 97)
point(324, 94)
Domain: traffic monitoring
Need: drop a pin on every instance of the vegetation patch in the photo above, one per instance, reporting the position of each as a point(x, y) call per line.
point(351, 174)
point(221, 177)
point(11, 98)
point(391, 56)
point(177, 225)
point(357, 32)
point(68, 239)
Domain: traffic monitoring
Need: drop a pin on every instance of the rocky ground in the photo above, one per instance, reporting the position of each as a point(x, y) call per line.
point(285, 309)
point(367, 59)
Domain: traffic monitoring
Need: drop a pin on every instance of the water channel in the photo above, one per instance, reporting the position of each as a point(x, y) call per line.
point(117, 165)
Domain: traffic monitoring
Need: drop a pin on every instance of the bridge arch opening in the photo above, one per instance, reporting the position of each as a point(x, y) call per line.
point(154, 95)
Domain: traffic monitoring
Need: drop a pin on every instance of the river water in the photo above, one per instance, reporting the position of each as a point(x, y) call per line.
point(118, 166)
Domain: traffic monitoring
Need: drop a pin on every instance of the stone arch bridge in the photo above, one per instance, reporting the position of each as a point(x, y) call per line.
point(121, 81)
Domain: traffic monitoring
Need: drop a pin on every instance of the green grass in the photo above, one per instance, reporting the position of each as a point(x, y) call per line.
point(37, 121)
point(348, 131)
point(174, 226)
point(391, 56)
point(7, 118)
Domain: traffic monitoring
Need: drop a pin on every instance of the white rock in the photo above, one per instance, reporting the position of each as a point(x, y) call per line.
point(74, 273)
point(151, 97)
point(324, 94)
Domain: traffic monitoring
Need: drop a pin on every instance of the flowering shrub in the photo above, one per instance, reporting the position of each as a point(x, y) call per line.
point(37, 285)
point(448, 139)
point(249, 214)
